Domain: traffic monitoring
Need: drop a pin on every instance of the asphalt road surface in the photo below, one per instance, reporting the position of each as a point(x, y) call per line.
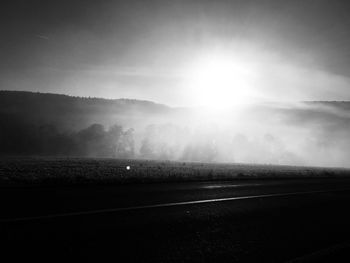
point(234, 221)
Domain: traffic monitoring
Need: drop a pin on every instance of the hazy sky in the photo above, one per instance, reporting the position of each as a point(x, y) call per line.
point(293, 50)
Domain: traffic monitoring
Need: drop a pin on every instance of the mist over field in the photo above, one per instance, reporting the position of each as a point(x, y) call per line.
point(311, 133)
point(304, 133)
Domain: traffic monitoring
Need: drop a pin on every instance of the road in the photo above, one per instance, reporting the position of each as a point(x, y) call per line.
point(235, 221)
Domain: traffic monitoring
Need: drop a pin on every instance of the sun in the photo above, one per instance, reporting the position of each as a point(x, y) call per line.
point(219, 81)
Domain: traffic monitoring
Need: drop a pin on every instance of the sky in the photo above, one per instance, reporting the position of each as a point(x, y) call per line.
point(180, 53)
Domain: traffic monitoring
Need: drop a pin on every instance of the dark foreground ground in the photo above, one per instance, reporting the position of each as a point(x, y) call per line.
point(267, 220)
point(15, 171)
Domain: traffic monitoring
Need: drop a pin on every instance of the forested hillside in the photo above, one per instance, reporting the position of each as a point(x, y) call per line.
point(305, 133)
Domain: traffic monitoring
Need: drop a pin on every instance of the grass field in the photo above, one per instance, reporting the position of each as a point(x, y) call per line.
point(57, 171)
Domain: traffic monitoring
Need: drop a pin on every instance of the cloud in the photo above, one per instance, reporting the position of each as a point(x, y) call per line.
point(42, 37)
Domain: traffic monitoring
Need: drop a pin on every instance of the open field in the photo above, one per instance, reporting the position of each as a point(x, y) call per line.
point(91, 208)
point(56, 171)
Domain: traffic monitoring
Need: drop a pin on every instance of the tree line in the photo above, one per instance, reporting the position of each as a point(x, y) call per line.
point(157, 142)
point(20, 138)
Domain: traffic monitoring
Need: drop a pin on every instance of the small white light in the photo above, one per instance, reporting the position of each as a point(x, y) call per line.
point(128, 167)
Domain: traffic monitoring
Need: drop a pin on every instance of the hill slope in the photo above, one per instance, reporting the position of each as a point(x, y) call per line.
point(69, 112)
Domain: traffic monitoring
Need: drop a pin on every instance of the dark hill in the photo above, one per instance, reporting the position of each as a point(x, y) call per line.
point(73, 113)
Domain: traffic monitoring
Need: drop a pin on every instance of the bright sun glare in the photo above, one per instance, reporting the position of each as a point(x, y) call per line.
point(218, 81)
